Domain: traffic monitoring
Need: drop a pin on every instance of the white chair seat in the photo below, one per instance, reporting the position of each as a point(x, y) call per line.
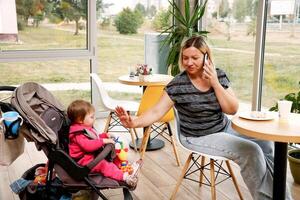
point(131, 106)
point(220, 158)
point(110, 104)
point(215, 161)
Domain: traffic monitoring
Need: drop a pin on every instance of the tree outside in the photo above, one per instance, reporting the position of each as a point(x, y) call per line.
point(128, 21)
point(162, 20)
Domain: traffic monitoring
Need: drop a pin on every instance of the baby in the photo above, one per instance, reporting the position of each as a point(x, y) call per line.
point(83, 148)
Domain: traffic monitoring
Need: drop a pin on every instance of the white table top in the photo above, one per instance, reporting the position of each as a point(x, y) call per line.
point(154, 79)
point(272, 130)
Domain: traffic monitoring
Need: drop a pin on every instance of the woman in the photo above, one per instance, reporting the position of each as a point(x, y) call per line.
point(202, 97)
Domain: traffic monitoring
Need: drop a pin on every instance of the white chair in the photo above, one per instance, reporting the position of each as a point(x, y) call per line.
point(110, 104)
point(214, 165)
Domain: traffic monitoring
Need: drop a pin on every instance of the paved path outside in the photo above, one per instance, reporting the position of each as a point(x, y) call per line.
point(116, 87)
point(109, 86)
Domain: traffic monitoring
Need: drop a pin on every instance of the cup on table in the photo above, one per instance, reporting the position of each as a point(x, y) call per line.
point(131, 72)
point(12, 121)
point(284, 109)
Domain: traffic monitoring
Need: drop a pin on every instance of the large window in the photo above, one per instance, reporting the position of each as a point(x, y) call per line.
point(282, 53)
point(56, 76)
point(43, 25)
point(231, 26)
point(123, 26)
point(47, 41)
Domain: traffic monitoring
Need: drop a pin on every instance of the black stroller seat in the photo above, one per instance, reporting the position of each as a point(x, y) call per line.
point(46, 124)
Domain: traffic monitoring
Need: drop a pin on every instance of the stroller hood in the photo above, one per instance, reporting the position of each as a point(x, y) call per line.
point(31, 100)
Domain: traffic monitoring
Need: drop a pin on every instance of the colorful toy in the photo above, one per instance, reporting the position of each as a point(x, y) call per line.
point(40, 175)
point(122, 154)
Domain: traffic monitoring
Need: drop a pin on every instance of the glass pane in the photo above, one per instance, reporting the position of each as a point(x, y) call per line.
point(231, 26)
point(282, 55)
point(121, 43)
point(67, 80)
point(43, 25)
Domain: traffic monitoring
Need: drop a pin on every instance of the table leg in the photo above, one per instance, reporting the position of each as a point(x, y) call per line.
point(279, 181)
point(153, 144)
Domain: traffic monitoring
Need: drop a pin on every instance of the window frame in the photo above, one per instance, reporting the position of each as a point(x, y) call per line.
point(61, 54)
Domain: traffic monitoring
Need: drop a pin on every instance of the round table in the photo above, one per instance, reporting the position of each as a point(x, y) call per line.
point(154, 79)
point(282, 132)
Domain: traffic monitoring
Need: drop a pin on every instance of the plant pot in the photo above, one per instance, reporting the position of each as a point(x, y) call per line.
point(141, 78)
point(294, 160)
point(144, 78)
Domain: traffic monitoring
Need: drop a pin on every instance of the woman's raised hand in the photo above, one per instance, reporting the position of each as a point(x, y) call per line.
point(125, 119)
point(209, 72)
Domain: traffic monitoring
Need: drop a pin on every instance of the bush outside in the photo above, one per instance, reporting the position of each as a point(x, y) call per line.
point(162, 20)
point(127, 22)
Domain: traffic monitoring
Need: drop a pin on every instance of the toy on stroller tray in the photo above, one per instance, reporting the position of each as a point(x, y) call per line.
point(122, 153)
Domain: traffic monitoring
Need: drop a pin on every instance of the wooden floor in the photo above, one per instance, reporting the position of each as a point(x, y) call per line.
point(157, 178)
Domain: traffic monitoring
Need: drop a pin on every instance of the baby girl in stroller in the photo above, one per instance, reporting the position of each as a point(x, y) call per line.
point(84, 142)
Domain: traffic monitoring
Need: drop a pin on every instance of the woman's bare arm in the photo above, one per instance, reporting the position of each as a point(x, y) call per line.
point(227, 99)
point(149, 117)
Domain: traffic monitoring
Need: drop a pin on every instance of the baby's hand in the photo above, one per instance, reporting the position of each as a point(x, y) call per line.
point(108, 135)
point(108, 140)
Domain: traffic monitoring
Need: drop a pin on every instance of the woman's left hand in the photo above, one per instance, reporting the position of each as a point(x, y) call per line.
point(210, 73)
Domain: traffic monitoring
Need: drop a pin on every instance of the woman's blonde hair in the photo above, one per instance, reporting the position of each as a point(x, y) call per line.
point(199, 43)
point(78, 109)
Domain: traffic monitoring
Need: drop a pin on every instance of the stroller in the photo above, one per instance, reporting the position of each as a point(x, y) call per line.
point(46, 124)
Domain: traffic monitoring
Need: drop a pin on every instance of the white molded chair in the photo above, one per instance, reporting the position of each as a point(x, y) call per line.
point(214, 165)
point(110, 104)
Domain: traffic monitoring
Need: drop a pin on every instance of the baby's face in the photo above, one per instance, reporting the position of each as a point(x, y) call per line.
point(89, 119)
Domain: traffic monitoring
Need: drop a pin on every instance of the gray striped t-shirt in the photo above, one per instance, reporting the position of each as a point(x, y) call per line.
point(200, 112)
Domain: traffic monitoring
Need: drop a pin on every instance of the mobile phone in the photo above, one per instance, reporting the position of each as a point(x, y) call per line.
point(205, 58)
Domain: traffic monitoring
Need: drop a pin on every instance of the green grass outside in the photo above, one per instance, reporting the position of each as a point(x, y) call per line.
point(65, 97)
point(117, 53)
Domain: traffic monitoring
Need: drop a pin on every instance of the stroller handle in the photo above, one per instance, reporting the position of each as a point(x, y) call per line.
point(7, 88)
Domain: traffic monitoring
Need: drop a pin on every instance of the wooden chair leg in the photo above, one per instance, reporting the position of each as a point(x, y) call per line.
point(212, 179)
point(201, 171)
point(175, 151)
point(183, 171)
point(107, 122)
point(173, 144)
point(145, 141)
point(133, 139)
point(234, 180)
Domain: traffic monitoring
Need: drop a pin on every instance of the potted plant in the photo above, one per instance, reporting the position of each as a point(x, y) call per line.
point(142, 70)
point(185, 27)
point(294, 161)
point(294, 152)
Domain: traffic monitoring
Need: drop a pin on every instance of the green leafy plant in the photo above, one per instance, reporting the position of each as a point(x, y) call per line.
point(128, 21)
point(185, 27)
point(295, 98)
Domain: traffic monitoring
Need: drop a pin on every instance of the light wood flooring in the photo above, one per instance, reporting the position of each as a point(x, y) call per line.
point(156, 181)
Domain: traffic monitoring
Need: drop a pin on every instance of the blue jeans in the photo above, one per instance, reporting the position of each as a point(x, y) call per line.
point(255, 157)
